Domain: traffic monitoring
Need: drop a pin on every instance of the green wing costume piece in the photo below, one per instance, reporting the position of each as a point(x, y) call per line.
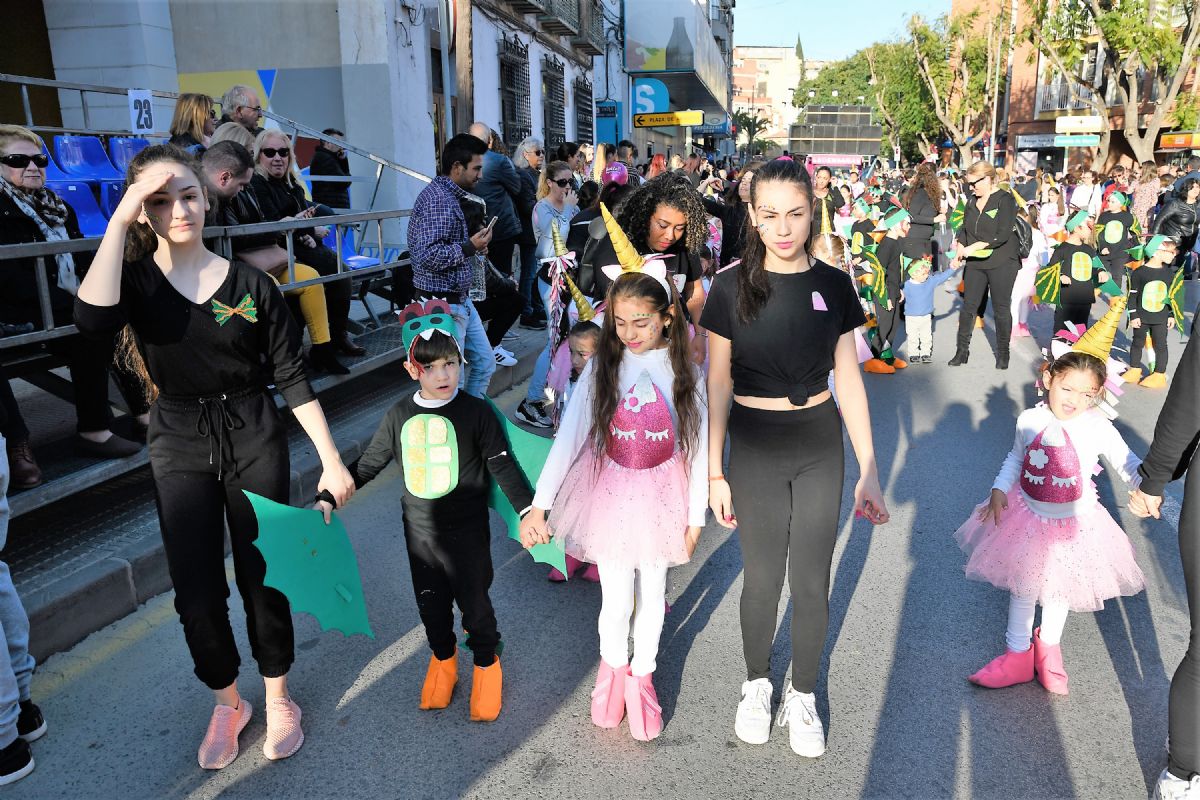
point(957, 215)
point(312, 563)
point(1175, 298)
point(878, 277)
point(530, 452)
point(1047, 284)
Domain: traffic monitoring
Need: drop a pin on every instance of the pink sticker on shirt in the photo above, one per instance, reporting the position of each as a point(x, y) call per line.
point(819, 302)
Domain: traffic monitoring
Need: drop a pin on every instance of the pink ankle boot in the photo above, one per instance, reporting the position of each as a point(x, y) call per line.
point(608, 698)
point(590, 573)
point(1006, 670)
point(641, 704)
point(573, 565)
point(1048, 663)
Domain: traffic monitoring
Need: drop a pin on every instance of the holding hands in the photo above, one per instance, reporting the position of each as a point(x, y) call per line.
point(534, 529)
point(1145, 505)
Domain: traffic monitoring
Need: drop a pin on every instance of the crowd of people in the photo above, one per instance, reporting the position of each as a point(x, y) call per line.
point(685, 306)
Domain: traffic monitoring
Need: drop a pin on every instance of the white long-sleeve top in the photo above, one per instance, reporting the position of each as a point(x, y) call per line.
point(576, 425)
point(1092, 434)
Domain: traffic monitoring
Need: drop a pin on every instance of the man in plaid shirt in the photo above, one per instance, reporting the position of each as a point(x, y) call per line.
point(441, 253)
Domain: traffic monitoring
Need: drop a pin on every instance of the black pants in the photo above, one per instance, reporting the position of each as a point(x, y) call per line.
point(1184, 720)
point(337, 293)
point(1114, 265)
point(1079, 313)
point(888, 323)
point(1158, 335)
point(448, 567)
point(202, 455)
point(978, 283)
point(786, 470)
point(500, 253)
point(500, 310)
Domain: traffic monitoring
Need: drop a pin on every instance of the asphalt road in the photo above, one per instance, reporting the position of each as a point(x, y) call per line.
point(126, 713)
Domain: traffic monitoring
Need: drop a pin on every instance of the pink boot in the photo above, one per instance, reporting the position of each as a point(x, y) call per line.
point(608, 698)
point(1051, 673)
point(590, 573)
point(1006, 670)
point(573, 565)
point(641, 704)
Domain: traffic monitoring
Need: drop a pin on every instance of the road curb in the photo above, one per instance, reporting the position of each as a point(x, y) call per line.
point(66, 611)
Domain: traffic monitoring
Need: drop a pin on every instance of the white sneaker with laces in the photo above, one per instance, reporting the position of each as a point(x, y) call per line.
point(1171, 788)
point(753, 721)
point(502, 349)
point(805, 732)
point(503, 358)
point(532, 414)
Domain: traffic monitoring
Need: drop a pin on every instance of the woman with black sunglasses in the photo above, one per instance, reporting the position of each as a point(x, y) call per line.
point(987, 244)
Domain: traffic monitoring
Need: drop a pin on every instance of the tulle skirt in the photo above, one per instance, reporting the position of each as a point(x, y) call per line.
point(1080, 561)
point(627, 517)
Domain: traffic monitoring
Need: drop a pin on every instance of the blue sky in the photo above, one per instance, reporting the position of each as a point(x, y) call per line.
point(828, 30)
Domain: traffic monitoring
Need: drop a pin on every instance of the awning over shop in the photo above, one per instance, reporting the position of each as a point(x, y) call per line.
point(1182, 140)
point(671, 40)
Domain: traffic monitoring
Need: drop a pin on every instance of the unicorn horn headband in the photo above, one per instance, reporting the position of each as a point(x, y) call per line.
point(628, 257)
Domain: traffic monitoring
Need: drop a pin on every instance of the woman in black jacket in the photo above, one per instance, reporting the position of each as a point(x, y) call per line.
point(30, 212)
point(1178, 219)
point(924, 205)
point(280, 194)
point(528, 160)
point(989, 247)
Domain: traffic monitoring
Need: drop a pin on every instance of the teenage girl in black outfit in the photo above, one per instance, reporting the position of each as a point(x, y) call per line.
point(987, 241)
point(785, 459)
point(204, 327)
point(923, 202)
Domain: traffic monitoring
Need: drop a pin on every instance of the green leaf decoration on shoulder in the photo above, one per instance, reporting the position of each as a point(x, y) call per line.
point(245, 309)
point(992, 213)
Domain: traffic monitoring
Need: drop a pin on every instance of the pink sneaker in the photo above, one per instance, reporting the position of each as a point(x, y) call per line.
point(641, 705)
point(590, 573)
point(1048, 663)
point(220, 745)
point(1006, 670)
point(284, 736)
point(608, 698)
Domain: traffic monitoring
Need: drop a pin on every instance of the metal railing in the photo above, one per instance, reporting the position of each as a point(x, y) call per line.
point(563, 18)
point(223, 236)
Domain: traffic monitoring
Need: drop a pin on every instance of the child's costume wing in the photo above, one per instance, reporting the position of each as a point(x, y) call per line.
point(878, 277)
point(1048, 285)
point(1175, 298)
point(957, 215)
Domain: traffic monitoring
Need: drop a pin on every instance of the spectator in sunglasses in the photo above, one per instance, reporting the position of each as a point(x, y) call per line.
point(330, 159)
point(528, 160)
point(240, 104)
point(194, 122)
point(31, 212)
point(279, 190)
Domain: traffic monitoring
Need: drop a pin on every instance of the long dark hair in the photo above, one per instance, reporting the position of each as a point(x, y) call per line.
point(926, 178)
point(606, 362)
point(140, 239)
point(753, 288)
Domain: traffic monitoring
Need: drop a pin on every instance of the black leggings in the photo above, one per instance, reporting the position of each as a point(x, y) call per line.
point(786, 470)
point(1158, 335)
point(888, 325)
point(500, 309)
point(202, 456)
point(1184, 720)
point(452, 566)
point(977, 284)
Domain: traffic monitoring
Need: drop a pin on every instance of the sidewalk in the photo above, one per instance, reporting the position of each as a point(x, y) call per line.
point(87, 561)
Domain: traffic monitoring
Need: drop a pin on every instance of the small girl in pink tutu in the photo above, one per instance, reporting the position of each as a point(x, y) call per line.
point(1043, 535)
point(626, 479)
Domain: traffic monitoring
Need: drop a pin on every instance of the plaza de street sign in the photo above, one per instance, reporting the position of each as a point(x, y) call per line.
point(1079, 124)
point(685, 119)
point(1087, 140)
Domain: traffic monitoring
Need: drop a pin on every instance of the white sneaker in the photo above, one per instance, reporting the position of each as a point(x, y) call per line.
point(753, 722)
point(799, 714)
point(502, 349)
point(503, 358)
point(1171, 788)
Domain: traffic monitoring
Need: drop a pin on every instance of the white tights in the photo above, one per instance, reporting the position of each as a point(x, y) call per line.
point(641, 593)
point(1020, 623)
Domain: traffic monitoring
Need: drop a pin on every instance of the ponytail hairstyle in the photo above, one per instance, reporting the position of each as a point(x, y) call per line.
point(753, 288)
point(140, 239)
point(606, 362)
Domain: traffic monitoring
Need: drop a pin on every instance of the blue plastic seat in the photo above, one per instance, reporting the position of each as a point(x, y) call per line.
point(350, 257)
point(53, 171)
point(84, 157)
point(78, 195)
point(124, 148)
point(111, 193)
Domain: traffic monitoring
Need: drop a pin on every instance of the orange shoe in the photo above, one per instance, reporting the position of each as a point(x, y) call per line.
point(1133, 375)
point(486, 686)
point(1155, 380)
point(439, 682)
point(899, 363)
point(979, 322)
point(878, 366)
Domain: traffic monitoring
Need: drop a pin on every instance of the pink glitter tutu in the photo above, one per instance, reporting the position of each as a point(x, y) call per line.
point(1081, 561)
point(618, 515)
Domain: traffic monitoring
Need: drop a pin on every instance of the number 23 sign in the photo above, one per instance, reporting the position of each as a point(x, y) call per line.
point(141, 111)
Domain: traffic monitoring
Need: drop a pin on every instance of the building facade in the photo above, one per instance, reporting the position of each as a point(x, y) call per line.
point(764, 79)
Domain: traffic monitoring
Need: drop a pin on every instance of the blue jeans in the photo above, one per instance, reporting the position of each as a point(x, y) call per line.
point(537, 381)
point(17, 671)
point(481, 363)
point(529, 268)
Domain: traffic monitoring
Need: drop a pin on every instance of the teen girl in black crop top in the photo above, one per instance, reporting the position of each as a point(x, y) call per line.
point(779, 322)
point(212, 333)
